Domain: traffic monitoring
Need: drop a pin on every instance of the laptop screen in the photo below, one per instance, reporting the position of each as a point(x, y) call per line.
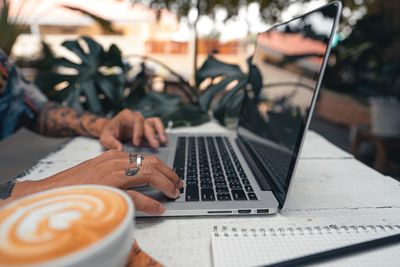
point(288, 64)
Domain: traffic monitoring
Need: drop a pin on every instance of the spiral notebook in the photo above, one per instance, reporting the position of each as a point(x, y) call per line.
point(256, 247)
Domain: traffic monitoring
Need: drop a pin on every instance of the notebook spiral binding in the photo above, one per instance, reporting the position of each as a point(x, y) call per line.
point(308, 230)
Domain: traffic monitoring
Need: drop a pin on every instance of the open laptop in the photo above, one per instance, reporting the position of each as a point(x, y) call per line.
point(250, 171)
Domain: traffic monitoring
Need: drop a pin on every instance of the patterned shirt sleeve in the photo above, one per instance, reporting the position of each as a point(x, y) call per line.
point(18, 97)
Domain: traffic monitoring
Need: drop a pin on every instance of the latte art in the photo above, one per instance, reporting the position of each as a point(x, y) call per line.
point(57, 223)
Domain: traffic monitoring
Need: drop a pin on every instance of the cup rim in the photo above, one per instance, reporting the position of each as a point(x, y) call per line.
point(107, 239)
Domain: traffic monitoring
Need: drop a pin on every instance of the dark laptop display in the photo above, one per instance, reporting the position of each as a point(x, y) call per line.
point(284, 82)
point(250, 171)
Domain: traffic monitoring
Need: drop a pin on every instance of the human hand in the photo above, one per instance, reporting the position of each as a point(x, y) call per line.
point(116, 169)
point(131, 126)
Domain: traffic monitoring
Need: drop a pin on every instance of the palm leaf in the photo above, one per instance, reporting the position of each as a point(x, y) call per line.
point(106, 25)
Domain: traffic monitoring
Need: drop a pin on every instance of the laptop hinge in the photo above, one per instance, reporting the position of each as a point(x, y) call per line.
point(262, 177)
point(257, 172)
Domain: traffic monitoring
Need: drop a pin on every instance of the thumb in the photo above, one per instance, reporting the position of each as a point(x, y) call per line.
point(145, 203)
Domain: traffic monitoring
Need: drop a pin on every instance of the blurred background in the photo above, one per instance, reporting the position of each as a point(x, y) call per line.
point(157, 56)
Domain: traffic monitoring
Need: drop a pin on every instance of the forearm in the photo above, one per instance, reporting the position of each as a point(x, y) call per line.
point(60, 121)
point(11, 191)
point(14, 190)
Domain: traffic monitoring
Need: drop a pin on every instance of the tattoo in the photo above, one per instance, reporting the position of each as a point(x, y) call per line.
point(131, 172)
point(86, 132)
point(133, 159)
point(94, 119)
point(60, 121)
point(6, 189)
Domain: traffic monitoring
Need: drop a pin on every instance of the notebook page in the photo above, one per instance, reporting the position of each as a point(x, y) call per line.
point(250, 247)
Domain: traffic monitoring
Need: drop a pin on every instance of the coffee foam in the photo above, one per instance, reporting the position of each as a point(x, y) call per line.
point(56, 223)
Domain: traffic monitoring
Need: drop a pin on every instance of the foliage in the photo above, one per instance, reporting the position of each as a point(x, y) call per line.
point(8, 31)
point(170, 107)
point(270, 12)
point(11, 28)
point(360, 62)
point(106, 25)
point(98, 82)
point(100, 73)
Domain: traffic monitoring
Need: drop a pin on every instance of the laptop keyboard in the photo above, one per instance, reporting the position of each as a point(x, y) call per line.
point(277, 161)
point(210, 170)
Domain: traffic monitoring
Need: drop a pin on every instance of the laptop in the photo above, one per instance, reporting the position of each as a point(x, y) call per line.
point(250, 171)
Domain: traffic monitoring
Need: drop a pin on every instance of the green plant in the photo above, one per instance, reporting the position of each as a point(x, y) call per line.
point(98, 83)
point(200, 105)
point(105, 25)
point(12, 27)
point(361, 66)
point(95, 84)
point(8, 31)
point(270, 12)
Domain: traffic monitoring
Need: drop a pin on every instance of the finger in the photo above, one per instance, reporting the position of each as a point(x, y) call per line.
point(159, 127)
point(170, 174)
point(138, 129)
point(145, 203)
point(149, 173)
point(109, 141)
point(160, 182)
point(150, 135)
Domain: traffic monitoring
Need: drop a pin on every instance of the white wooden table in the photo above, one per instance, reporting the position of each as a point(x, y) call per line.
point(330, 188)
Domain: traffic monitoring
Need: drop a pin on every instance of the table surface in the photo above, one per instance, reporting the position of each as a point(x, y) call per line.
point(330, 188)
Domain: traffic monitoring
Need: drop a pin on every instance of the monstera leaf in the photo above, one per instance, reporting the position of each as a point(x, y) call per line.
point(232, 96)
point(157, 104)
point(95, 84)
point(212, 68)
point(185, 115)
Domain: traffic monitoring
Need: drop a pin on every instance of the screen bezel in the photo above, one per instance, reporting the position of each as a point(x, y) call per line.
point(304, 126)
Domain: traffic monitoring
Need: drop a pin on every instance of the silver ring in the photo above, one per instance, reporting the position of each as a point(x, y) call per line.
point(139, 161)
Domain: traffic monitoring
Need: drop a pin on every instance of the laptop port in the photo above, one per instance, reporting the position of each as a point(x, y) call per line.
point(244, 211)
point(262, 211)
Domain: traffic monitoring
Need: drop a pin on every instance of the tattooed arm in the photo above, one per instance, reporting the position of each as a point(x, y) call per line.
point(60, 121)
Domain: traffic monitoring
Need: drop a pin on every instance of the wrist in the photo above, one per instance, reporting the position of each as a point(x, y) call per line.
point(22, 189)
point(100, 124)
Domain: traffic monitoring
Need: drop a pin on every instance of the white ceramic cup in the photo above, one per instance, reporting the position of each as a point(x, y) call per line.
point(83, 225)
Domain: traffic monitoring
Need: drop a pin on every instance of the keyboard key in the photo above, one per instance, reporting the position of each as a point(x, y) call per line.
point(224, 197)
point(192, 181)
point(245, 182)
point(234, 184)
point(206, 185)
point(252, 196)
point(180, 172)
point(233, 180)
point(205, 179)
point(242, 175)
point(239, 195)
point(192, 192)
point(207, 194)
point(236, 187)
point(220, 183)
point(221, 189)
point(248, 188)
point(218, 180)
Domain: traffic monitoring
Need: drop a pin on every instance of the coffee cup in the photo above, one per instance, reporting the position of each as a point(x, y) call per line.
point(83, 225)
